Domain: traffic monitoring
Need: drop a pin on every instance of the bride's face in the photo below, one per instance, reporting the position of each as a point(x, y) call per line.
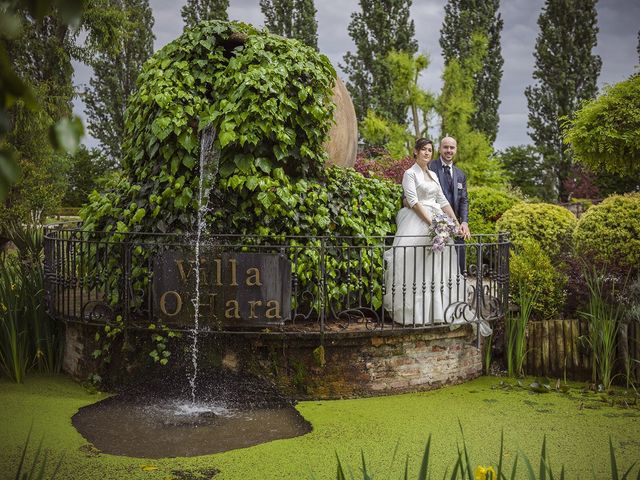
point(424, 155)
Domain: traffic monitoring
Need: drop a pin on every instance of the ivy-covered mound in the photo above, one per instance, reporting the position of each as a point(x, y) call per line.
point(269, 101)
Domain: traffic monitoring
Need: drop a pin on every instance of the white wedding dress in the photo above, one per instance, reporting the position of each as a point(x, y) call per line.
point(423, 287)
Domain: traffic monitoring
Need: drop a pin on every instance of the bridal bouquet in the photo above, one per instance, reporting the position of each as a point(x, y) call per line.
point(442, 229)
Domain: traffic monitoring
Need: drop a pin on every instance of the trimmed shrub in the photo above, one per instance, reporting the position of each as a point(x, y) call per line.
point(486, 206)
point(609, 232)
point(531, 268)
point(550, 225)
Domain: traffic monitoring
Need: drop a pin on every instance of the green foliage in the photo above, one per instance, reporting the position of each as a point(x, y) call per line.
point(114, 76)
point(527, 171)
point(267, 114)
point(292, 19)
point(550, 225)
point(379, 28)
point(565, 74)
point(28, 337)
point(486, 206)
point(405, 70)
point(604, 313)
point(463, 18)
point(609, 232)
point(347, 205)
point(516, 327)
point(461, 465)
point(196, 11)
point(393, 137)
point(38, 40)
point(536, 284)
point(87, 168)
point(604, 134)
point(456, 107)
point(14, 342)
point(40, 187)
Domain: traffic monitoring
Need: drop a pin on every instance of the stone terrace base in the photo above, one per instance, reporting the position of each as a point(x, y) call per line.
point(351, 364)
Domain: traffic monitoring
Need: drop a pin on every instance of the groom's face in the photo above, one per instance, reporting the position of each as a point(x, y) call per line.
point(448, 148)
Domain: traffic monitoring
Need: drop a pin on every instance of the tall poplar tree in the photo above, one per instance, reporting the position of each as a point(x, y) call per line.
point(380, 27)
point(456, 107)
point(195, 11)
point(114, 77)
point(565, 74)
point(292, 19)
point(463, 18)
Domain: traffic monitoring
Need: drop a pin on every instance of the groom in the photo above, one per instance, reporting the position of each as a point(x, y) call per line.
point(454, 185)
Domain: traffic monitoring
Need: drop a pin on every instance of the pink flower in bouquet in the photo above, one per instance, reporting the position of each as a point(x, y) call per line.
point(442, 229)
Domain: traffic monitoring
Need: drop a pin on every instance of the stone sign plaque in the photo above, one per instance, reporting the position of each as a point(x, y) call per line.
point(236, 289)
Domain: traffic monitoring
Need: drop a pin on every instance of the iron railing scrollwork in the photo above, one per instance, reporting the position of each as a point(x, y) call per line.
point(331, 283)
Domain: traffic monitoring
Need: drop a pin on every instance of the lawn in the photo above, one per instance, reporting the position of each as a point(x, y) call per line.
point(577, 429)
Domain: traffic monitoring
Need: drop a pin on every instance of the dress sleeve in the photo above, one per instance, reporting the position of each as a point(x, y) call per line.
point(440, 198)
point(409, 187)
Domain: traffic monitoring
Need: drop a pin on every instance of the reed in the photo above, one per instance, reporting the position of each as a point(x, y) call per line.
point(604, 315)
point(516, 330)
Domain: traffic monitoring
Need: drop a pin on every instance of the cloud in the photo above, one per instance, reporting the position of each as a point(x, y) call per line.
point(617, 42)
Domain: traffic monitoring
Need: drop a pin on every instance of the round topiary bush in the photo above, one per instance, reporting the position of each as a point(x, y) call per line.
point(550, 225)
point(486, 207)
point(609, 232)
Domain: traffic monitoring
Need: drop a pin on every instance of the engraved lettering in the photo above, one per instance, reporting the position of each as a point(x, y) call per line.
point(232, 309)
point(163, 303)
point(253, 277)
point(273, 309)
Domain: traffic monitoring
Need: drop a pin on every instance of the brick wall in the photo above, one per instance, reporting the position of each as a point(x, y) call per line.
point(349, 364)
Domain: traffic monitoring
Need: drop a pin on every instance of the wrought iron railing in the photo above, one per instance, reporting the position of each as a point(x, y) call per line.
point(250, 283)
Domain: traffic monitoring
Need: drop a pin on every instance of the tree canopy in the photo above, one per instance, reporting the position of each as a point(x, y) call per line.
point(292, 19)
point(604, 134)
point(196, 11)
point(463, 18)
point(456, 107)
point(565, 74)
point(115, 74)
point(379, 27)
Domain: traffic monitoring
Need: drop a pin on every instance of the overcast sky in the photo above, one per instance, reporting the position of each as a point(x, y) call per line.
point(618, 20)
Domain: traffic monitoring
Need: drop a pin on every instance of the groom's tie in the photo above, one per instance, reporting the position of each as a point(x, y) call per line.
point(447, 171)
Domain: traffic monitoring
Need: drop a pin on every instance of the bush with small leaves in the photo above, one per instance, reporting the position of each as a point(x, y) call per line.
point(609, 233)
point(550, 225)
point(531, 268)
point(486, 206)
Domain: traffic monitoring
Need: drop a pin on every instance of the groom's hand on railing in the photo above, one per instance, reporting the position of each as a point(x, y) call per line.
point(464, 230)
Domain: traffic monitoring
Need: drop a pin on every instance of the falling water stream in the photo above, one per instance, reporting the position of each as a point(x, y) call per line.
point(209, 159)
point(171, 415)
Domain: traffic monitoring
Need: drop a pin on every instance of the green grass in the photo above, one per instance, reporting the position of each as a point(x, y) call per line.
point(577, 434)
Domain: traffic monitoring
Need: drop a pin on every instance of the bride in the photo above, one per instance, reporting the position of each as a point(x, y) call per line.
point(421, 283)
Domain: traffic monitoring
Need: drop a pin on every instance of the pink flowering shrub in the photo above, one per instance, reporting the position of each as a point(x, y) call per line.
point(376, 162)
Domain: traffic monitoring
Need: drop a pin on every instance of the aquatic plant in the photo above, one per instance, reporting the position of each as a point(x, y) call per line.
point(462, 466)
point(604, 314)
point(516, 329)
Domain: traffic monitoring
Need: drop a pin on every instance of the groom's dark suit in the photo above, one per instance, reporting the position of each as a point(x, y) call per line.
point(455, 189)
